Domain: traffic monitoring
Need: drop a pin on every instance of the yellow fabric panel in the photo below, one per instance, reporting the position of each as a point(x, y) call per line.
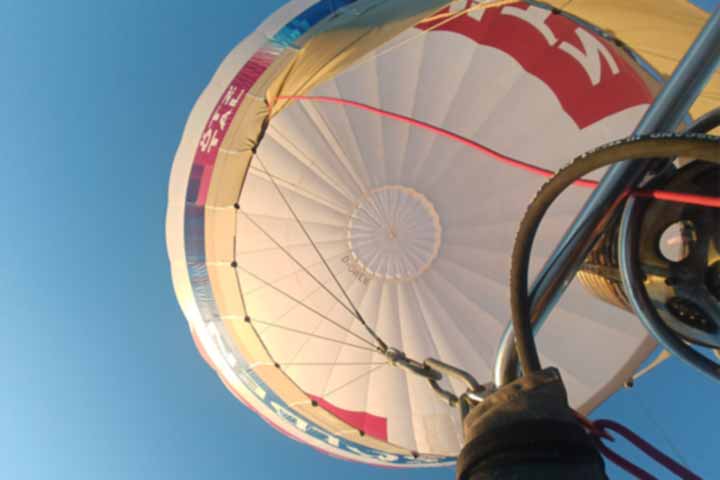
point(335, 45)
point(246, 340)
point(236, 151)
point(228, 175)
point(285, 388)
point(219, 234)
point(660, 31)
point(224, 286)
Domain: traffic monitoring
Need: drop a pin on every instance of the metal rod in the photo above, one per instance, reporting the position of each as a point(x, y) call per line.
point(665, 114)
point(458, 373)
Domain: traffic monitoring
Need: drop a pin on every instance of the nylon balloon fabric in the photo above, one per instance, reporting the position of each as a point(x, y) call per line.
point(305, 238)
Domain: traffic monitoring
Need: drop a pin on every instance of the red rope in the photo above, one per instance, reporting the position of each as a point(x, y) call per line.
point(599, 430)
point(676, 197)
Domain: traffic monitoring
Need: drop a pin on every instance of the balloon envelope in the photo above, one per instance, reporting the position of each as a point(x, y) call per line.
point(303, 233)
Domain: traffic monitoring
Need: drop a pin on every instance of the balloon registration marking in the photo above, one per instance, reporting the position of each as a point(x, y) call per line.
point(394, 233)
point(589, 57)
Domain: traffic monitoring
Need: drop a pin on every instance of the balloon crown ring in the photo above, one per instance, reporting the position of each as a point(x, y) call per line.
point(394, 232)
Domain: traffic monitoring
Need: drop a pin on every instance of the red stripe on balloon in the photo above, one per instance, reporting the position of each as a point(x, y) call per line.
point(368, 423)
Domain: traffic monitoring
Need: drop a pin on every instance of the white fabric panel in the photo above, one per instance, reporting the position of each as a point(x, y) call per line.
point(456, 311)
point(389, 328)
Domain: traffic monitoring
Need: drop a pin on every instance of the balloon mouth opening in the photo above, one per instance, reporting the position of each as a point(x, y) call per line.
point(394, 233)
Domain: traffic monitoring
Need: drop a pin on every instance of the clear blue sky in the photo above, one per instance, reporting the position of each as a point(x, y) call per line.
point(100, 379)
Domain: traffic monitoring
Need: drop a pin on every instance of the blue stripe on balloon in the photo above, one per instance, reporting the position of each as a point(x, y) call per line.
point(307, 19)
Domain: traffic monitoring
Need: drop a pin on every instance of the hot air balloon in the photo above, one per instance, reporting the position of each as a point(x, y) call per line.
point(346, 193)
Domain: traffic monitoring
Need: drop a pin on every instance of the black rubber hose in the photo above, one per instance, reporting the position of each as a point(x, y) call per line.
point(632, 274)
point(705, 123)
point(633, 148)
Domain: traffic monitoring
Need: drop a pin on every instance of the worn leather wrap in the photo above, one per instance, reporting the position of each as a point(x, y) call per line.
point(526, 430)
